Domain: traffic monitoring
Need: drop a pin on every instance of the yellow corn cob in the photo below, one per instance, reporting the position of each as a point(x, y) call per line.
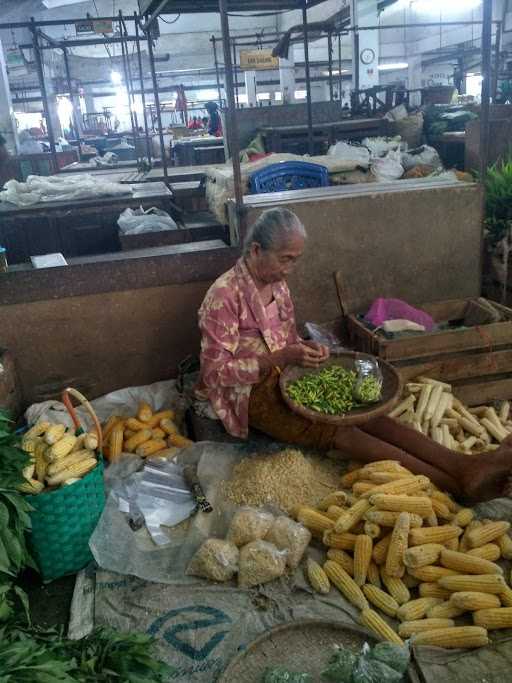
point(409, 628)
point(375, 623)
point(31, 486)
point(333, 512)
point(505, 544)
point(358, 528)
point(422, 555)
point(372, 530)
point(400, 487)
point(79, 443)
point(456, 637)
point(463, 517)
point(493, 618)
point(435, 534)
point(338, 498)
point(156, 418)
point(506, 597)
point(374, 575)
point(144, 412)
point(137, 439)
point(136, 425)
point(441, 510)
point(179, 441)
point(444, 498)
point(54, 433)
point(345, 584)
point(486, 583)
point(381, 600)
point(431, 520)
point(384, 466)
point(416, 504)
point(471, 601)
point(468, 564)
point(395, 587)
point(444, 610)
point(386, 477)
point(350, 478)
point(431, 573)
point(167, 453)
point(452, 544)
point(314, 520)
point(380, 550)
point(362, 558)
point(433, 590)
point(61, 448)
point(339, 541)
point(342, 558)
point(361, 487)
point(109, 426)
point(398, 546)
point(487, 533)
point(36, 430)
point(29, 444)
point(158, 433)
point(489, 551)
point(40, 461)
point(128, 433)
point(317, 577)
point(410, 581)
point(76, 470)
point(91, 441)
point(68, 460)
point(463, 545)
point(169, 426)
point(116, 441)
point(351, 517)
point(150, 447)
point(416, 609)
point(388, 519)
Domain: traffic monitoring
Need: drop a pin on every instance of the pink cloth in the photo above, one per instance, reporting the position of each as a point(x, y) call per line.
point(395, 309)
point(236, 328)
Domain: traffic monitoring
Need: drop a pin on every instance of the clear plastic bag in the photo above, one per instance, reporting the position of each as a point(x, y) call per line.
point(368, 388)
point(249, 524)
point(138, 221)
point(291, 536)
point(216, 559)
point(341, 666)
point(260, 562)
point(325, 333)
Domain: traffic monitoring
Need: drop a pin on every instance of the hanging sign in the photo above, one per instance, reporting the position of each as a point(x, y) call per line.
point(94, 26)
point(258, 60)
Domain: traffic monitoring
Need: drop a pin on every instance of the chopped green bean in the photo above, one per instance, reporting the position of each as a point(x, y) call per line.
point(330, 391)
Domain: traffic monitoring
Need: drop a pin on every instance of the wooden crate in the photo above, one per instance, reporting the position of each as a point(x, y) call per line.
point(477, 361)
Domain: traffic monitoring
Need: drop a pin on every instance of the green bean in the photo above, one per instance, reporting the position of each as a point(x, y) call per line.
point(368, 390)
point(331, 391)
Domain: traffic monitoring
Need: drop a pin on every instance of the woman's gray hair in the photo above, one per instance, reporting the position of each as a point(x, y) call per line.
point(272, 228)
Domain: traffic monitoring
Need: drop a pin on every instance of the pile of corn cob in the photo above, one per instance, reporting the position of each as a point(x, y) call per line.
point(430, 407)
point(145, 434)
point(396, 543)
point(58, 456)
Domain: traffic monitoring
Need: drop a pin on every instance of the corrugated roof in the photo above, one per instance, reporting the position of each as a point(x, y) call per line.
point(189, 6)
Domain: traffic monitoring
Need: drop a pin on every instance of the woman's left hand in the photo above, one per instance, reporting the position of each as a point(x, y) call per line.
point(321, 350)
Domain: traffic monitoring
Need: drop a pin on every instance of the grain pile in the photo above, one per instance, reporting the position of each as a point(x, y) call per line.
point(286, 479)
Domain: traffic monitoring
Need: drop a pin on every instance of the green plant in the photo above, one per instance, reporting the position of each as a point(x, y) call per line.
point(498, 199)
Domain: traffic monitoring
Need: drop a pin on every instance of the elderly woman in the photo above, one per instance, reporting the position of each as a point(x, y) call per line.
point(249, 333)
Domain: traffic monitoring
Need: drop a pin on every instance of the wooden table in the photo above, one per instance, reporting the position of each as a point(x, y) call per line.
point(79, 228)
point(198, 150)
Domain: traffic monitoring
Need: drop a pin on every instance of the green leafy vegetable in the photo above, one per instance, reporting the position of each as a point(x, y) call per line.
point(395, 656)
point(340, 666)
point(12, 458)
point(498, 200)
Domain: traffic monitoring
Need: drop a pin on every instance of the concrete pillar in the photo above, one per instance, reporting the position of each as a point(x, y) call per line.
point(287, 79)
point(250, 88)
point(89, 103)
point(415, 76)
point(365, 47)
point(7, 120)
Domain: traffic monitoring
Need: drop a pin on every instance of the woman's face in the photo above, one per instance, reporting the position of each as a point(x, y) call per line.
point(276, 264)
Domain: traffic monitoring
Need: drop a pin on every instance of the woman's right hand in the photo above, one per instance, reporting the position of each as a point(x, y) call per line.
point(302, 355)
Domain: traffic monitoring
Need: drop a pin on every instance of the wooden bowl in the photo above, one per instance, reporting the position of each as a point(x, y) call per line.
point(391, 391)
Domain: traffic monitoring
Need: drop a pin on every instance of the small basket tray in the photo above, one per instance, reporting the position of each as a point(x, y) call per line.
point(391, 391)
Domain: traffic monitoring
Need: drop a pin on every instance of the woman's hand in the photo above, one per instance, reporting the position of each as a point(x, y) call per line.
point(303, 354)
point(320, 348)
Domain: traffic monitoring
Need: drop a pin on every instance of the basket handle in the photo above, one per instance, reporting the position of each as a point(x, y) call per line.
point(85, 403)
